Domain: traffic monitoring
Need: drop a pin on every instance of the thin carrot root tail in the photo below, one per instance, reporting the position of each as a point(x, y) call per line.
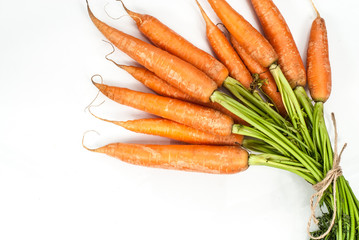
point(98, 93)
point(133, 15)
point(83, 139)
point(110, 53)
point(315, 8)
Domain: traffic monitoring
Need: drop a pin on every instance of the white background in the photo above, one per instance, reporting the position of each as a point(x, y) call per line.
point(52, 188)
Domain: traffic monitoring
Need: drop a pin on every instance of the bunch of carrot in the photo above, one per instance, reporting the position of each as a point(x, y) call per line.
point(269, 111)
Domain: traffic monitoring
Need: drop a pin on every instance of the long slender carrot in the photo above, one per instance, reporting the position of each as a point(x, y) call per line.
point(248, 37)
point(165, 38)
point(269, 86)
point(156, 84)
point(197, 158)
point(225, 52)
point(318, 64)
point(170, 129)
point(198, 117)
point(165, 65)
point(279, 35)
point(164, 89)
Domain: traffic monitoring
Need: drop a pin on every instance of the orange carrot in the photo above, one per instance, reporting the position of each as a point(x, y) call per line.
point(279, 35)
point(198, 117)
point(165, 38)
point(168, 67)
point(164, 89)
point(269, 87)
point(318, 65)
point(196, 158)
point(156, 84)
point(225, 52)
point(170, 129)
point(248, 37)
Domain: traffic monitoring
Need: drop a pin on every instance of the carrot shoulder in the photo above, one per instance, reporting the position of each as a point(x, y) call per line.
point(248, 37)
point(279, 35)
point(165, 65)
point(318, 64)
point(225, 52)
point(198, 117)
point(168, 40)
point(269, 86)
point(197, 158)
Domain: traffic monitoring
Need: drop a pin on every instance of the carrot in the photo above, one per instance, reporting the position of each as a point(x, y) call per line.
point(198, 117)
point(165, 65)
point(170, 129)
point(318, 65)
point(196, 158)
point(248, 37)
point(269, 87)
point(162, 88)
point(165, 38)
point(156, 84)
point(279, 35)
point(225, 52)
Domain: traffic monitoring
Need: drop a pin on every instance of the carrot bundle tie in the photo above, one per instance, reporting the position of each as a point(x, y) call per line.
point(322, 186)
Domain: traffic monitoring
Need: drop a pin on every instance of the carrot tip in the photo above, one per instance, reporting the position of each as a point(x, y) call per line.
point(83, 140)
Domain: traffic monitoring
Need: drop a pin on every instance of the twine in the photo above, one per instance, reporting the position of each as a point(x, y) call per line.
point(322, 186)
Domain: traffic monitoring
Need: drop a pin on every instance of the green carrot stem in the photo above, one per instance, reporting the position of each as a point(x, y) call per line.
point(291, 103)
point(258, 145)
point(244, 95)
point(305, 102)
point(263, 161)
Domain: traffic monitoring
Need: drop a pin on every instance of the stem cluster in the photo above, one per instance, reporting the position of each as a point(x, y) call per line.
point(299, 143)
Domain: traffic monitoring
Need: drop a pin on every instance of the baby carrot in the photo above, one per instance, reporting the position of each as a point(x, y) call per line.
point(196, 158)
point(248, 37)
point(279, 35)
point(165, 38)
point(318, 65)
point(225, 52)
point(198, 117)
point(170, 129)
point(269, 86)
point(165, 65)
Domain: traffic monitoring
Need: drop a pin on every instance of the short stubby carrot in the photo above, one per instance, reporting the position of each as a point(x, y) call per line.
point(177, 131)
point(196, 158)
point(170, 41)
point(249, 38)
point(318, 64)
point(198, 117)
point(269, 86)
point(162, 88)
point(165, 65)
point(225, 52)
point(279, 35)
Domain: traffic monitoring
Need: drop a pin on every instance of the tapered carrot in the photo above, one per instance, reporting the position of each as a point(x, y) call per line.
point(279, 35)
point(165, 38)
point(318, 64)
point(248, 37)
point(225, 52)
point(269, 86)
point(164, 89)
point(198, 117)
point(156, 84)
point(170, 129)
point(196, 158)
point(165, 65)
